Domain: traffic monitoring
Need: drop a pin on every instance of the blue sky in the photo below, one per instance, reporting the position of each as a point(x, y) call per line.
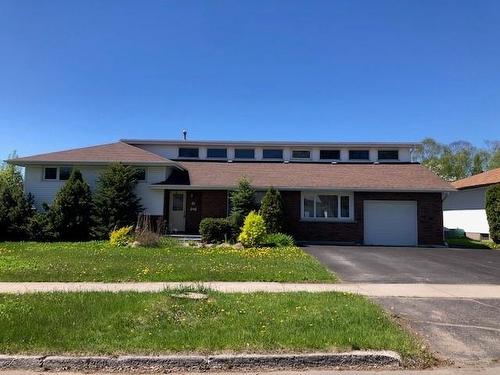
point(76, 73)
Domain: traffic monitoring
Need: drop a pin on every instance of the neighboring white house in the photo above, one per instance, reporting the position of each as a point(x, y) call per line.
point(465, 208)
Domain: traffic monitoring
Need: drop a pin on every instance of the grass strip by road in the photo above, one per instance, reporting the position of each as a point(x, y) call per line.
point(468, 243)
point(98, 261)
point(160, 323)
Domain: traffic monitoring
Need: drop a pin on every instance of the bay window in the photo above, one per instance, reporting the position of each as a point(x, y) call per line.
point(327, 206)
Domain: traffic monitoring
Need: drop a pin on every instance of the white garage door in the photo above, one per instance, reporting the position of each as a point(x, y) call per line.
point(390, 223)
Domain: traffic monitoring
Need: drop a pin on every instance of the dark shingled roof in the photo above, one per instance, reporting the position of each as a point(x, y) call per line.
point(107, 153)
point(383, 177)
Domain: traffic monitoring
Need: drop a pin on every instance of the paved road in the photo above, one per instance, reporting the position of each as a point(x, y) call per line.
point(410, 265)
point(465, 330)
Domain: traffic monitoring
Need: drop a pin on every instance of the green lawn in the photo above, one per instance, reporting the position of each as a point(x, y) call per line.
point(468, 243)
point(154, 323)
point(98, 261)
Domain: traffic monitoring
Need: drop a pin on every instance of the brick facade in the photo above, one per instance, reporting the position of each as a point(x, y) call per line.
point(213, 203)
point(429, 212)
point(200, 204)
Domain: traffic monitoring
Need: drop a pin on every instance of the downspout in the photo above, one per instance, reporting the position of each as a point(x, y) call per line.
point(444, 195)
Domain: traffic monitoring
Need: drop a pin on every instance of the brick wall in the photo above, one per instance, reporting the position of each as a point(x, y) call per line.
point(429, 211)
point(213, 203)
point(201, 204)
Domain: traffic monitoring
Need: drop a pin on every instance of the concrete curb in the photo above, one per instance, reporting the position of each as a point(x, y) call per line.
point(348, 360)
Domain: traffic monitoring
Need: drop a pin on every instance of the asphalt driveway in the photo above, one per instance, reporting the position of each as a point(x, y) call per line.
point(410, 264)
point(464, 330)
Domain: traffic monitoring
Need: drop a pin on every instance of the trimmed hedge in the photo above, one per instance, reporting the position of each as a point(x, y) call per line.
point(279, 240)
point(216, 230)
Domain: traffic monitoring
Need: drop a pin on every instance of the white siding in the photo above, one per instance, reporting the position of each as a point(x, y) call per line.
point(44, 191)
point(469, 199)
point(152, 200)
point(472, 221)
point(464, 209)
point(171, 151)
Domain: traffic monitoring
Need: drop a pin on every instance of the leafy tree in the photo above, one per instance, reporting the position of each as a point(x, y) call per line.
point(69, 216)
point(272, 210)
point(242, 202)
point(116, 204)
point(15, 207)
point(480, 162)
point(494, 160)
point(493, 211)
point(457, 160)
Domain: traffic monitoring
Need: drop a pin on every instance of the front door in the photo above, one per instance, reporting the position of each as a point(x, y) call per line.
point(177, 211)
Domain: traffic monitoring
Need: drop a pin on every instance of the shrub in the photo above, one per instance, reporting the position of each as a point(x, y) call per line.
point(121, 237)
point(216, 230)
point(70, 215)
point(115, 200)
point(493, 212)
point(242, 201)
point(253, 231)
point(279, 240)
point(148, 233)
point(39, 228)
point(272, 211)
point(15, 207)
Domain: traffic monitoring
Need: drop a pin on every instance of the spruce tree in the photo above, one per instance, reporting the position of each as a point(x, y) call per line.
point(69, 216)
point(16, 208)
point(272, 210)
point(116, 204)
point(242, 202)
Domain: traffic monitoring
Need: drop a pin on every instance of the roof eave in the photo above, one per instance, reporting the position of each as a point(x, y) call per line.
point(304, 188)
point(267, 143)
point(25, 163)
point(477, 186)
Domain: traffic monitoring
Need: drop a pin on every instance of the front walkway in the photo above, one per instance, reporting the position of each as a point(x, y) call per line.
point(476, 291)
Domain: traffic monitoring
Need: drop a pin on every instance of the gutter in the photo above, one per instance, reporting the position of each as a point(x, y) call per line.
point(295, 188)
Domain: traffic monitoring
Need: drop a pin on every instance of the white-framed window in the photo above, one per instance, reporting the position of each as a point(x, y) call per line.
point(327, 206)
point(57, 173)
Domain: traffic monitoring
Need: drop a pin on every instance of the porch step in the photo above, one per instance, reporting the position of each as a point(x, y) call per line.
point(185, 237)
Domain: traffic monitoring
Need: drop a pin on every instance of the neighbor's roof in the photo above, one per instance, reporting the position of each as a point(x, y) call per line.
point(101, 154)
point(481, 179)
point(318, 176)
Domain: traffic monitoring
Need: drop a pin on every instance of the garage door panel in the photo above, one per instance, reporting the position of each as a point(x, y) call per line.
point(390, 223)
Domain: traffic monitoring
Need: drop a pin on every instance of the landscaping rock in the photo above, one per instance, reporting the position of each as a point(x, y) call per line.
point(135, 244)
point(238, 246)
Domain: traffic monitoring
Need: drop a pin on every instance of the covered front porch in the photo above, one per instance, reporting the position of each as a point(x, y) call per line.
point(184, 209)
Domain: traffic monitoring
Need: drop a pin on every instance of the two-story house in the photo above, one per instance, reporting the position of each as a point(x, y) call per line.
point(365, 193)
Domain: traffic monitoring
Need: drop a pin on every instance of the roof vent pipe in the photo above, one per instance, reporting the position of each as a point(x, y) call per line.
point(184, 134)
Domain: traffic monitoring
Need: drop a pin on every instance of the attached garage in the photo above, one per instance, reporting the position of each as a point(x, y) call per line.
point(388, 222)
